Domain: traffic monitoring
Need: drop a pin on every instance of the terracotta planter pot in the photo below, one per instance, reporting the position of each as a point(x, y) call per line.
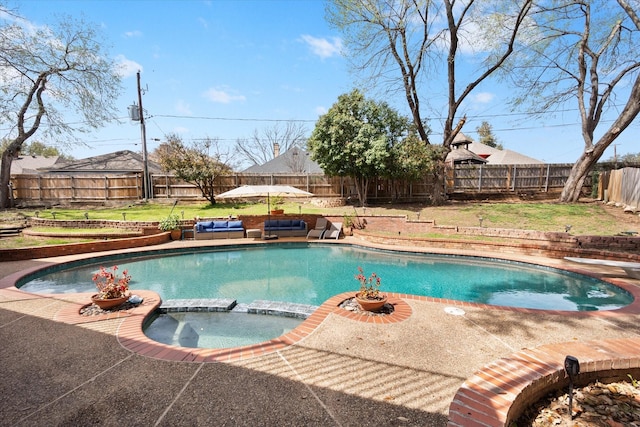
point(176, 234)
point(371, 304)
point(108, 303)
point(277, 212)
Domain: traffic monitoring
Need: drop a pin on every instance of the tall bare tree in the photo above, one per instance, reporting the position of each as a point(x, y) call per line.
point(585, 51)
point(47, 73)
point(406, 43)
point(259, 149)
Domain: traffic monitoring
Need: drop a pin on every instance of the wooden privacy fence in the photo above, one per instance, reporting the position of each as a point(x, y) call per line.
point(461, 179)
point(621, 186)
point(505, 178)
point(76, 187)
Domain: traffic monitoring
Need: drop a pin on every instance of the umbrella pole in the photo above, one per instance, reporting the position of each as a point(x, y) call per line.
point(269, 237)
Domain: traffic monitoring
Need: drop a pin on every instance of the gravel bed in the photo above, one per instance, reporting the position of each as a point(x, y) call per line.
point(352, 305)
point(94, 310)
point(596, 405)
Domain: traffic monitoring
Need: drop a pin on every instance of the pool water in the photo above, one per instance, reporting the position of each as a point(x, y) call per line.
point(312, 273)
point(217, 329)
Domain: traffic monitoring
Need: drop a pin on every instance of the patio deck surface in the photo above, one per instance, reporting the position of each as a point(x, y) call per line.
point(59, 368)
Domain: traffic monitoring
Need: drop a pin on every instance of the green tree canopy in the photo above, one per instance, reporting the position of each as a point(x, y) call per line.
point(354, 138)
point(487, 137)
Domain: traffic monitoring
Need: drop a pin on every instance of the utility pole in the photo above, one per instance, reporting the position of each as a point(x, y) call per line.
point(143, 134)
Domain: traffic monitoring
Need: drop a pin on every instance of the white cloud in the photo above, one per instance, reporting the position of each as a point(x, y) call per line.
point(203, 22)
point(127, 67)
point(323, 47)
point(183, 108)
point(484, 97)
point(180, 130)
point(222, 96)
point(134, 33)
point(321, 110)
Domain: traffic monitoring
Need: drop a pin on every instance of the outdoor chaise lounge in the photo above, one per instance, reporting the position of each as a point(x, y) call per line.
point(319, 229)
point(333, 232)
point(631, 268)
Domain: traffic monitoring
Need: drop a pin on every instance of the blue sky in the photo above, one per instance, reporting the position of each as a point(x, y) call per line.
point(224, 68)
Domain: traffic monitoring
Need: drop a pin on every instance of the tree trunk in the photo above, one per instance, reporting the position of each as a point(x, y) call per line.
point(5, 177)
point(362, 185)
point(579, 172)
point(8, 155)
point(439, 177)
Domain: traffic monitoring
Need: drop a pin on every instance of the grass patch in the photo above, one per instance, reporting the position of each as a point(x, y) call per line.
point(32, 241)
point(584, 218)
point(65, 230)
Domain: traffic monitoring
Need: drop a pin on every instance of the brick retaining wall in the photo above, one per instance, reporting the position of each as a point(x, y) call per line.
point(82, 248)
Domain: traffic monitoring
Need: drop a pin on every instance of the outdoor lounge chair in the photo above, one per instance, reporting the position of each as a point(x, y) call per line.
point(320, 228)
point(333, 232)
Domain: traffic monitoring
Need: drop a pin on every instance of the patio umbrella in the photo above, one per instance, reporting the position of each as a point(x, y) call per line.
point(267, 191)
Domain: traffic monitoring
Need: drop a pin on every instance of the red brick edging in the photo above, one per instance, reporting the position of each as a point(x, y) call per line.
point(499, 393)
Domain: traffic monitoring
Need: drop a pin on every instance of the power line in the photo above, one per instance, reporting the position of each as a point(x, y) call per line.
point(238, 119)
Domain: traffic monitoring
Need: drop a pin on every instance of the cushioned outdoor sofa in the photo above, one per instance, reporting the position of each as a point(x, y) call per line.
point(218, 229)
point(285, 227)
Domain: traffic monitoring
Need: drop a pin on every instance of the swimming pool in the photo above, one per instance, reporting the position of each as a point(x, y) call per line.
point(311, 273)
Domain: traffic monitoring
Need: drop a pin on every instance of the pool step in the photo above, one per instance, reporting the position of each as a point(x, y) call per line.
point(278, 308)
point(274, 308)
point(189, 305)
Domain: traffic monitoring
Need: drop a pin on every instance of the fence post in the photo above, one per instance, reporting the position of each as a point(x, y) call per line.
point(166, 185)
point(480, 178)
point(546, 182)
point(515, 175)
point(40, 187)
point(106, 188)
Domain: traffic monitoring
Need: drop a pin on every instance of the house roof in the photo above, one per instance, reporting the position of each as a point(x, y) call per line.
point(462, 145)
point(118, 162)
point(30, 164)
point(462, 155)
point(483, 150)
point(508, 157)
point(294, 160)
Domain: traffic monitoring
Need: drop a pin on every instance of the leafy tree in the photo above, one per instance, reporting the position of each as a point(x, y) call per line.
point(47, 72)
point(199, 164)
point(354, 139)
point(412, 160)
point(36, 148)
point(584, 51)
point(259, 149)
point(487, 137)
point(407, 43)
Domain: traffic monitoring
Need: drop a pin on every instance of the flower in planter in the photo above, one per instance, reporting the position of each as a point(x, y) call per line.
point(109, 285)
point(369, 286)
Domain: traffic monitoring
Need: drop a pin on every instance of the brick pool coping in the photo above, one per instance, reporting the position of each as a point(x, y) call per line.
point(492, 397)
